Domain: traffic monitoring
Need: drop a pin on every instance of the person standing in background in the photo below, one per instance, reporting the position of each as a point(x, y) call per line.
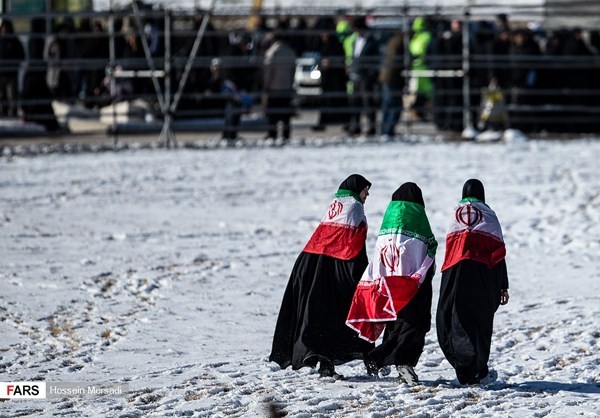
point(11, 56)
point(278, 85)
point(334, 103)
point(37, 100)
point(224, 99)
point(362, 55)
point(392, 84)
point(421, 86)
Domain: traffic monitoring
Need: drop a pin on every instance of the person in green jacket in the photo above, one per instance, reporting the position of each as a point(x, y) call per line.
point(362, 62)
point(421, 87)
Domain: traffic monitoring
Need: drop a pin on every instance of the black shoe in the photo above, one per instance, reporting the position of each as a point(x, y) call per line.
point(326, 369)
point(371, 132)
point(489, 378)
point(371, 365)
point(333, 374)
point(407, 375)
point(467, 378)
point(352, 129)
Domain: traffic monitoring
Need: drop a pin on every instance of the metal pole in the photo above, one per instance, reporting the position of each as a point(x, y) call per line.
point(49, 10)
point(406, 40)
point(188, 64)
point(138, 21)
point(466, 66)
point(167, 135)
point(113, 84)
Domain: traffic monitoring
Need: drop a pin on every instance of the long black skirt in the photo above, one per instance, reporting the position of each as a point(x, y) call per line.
point(469, 298)
point(404, 338)
point(311, 326)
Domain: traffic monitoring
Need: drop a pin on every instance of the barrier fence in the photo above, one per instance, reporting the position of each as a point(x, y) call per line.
point(140, 69)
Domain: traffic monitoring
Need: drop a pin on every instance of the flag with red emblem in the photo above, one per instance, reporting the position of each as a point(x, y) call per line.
point(474, 234)
point(404, 252)
point(342, 231)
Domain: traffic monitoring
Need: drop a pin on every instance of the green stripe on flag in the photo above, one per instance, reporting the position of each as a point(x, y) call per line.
point(472, 199)
point(409, 219)
point(347, 193)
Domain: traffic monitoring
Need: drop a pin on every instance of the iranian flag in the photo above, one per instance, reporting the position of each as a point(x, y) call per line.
point(404, 252)
point(474, 234)
point(342, 231)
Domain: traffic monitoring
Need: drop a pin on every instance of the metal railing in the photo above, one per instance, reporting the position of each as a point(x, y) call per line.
point(170, 80)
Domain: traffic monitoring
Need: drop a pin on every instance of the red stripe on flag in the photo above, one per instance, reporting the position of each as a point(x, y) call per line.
point(403, 289)
point(372, 305)
point(337, 240)
point(473, 245)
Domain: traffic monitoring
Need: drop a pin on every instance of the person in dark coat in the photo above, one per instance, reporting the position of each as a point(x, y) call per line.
point(499, 59)
point(578, 82)
point(59, 52)
point(392, 84)
point(11, 56)
point(474, 284)
point(395, 290)
point(334, 101)
point(94, 50)
point(278, 85)
point(447, 94)
point(37, 100)
point(222, 97)
point(523, 57)
point(311, 325)
point(362, 51)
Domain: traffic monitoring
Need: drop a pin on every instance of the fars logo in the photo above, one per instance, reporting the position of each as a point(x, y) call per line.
point(22, 390)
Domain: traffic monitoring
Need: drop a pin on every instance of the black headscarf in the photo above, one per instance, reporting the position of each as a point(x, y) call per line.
point(409, 192)
point(355, 183)
point(473, 188)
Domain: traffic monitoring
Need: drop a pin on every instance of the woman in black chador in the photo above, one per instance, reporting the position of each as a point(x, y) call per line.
point(311, 327)
point(474, 284)
point(405, 223)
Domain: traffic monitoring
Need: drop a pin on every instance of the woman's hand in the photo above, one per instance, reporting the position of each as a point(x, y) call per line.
point(504, 297)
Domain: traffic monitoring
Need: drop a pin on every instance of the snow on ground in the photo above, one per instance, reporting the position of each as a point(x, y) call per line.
point(165, 270)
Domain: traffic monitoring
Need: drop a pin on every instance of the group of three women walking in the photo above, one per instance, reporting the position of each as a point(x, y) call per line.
point(337, 304)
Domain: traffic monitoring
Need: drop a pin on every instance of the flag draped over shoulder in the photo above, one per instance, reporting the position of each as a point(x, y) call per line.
point(404, 252)
point(343, 229)
point(474, 234)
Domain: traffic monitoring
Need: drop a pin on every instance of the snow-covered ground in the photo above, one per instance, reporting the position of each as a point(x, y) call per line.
point(165, 270)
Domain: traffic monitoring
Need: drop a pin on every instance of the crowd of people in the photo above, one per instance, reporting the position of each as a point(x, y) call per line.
point(337, 305)
point(361, 65)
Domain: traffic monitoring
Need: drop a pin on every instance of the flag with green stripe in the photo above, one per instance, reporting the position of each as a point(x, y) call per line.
point(404, 252)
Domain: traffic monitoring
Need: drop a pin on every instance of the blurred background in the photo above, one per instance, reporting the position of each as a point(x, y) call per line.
point(242, 66)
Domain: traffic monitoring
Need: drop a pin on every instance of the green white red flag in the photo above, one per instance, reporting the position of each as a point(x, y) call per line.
point(404, 252)
point(474, 234)
point(342, 231)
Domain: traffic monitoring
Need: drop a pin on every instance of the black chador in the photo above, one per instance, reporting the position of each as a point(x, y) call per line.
point(474, 284)
point(311, 325)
